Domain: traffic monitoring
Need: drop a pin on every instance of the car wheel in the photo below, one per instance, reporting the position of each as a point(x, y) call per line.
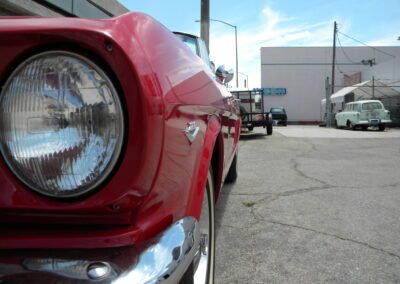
point(364, 128)
point(243, 112)
point(250, 128)
point(201, 271)
point(233, 171)
point(381, 127)
point(350, 125)
point(269, 129)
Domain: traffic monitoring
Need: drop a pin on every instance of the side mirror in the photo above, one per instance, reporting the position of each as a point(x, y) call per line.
point(223, 74)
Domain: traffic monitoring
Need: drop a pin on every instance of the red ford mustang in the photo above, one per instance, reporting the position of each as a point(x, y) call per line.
point(115, 140)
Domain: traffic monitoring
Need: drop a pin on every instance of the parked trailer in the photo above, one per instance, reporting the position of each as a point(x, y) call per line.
point(252, 110)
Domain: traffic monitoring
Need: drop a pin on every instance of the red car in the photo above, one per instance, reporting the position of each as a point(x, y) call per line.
point(115, 140)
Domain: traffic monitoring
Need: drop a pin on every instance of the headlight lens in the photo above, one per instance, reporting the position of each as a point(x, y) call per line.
point(61, 124)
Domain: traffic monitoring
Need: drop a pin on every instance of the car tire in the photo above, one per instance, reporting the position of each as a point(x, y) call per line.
point(243, 112)
point(233, 171)
point(364, 128)
point(250, 128)
point(269, 129)
point(350, 125)
point(381, 127)
point(201, 271)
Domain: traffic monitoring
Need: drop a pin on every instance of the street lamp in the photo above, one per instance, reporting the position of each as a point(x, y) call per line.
point(236, 47)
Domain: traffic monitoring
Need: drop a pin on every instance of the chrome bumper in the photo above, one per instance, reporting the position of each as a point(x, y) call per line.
point(163, 259)
point(368, 122)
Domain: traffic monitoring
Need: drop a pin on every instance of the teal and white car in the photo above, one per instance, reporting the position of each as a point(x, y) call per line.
point(363, 114)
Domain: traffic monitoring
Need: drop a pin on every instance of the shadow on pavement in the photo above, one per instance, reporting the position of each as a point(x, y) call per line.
point(252, 136)
point(221, 205)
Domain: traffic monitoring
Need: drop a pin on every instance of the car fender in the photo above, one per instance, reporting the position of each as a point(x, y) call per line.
point(205, 159)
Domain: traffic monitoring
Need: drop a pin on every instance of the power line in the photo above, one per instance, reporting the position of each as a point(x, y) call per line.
point(340, 70)
point(374, 48)
point(348, 58)
point(344, 52)
point(346, 73)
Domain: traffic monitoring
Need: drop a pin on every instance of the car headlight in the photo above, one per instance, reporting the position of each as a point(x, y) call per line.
point(61, 124)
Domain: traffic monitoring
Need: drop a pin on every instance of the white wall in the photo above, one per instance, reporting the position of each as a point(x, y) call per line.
point(303, 70)
point(387, 72)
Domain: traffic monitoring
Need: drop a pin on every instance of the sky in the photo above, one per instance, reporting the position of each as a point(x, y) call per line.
point(265, 23)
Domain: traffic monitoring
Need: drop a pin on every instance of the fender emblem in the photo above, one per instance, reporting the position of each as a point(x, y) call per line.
point(191, 131)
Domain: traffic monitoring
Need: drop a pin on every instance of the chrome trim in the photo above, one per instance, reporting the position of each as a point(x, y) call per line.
point(163, 259)
point(368, 122)
point(71, 269)
point(98, 271)
point(167, 260)
point(191, 131)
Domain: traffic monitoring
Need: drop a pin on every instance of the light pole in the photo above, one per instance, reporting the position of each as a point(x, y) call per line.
point(236, 47)
point(205, 22)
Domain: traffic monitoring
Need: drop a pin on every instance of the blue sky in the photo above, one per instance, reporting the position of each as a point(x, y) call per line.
point(277, 23)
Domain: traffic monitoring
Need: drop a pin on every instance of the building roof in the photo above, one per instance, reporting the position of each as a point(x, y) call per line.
point(339, 95)
point(365, 90)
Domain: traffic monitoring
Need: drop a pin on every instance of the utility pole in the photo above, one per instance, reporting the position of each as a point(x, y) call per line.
point(237, 62)
point(373, 87)
point(328, 122)
point(205, 22)
point(327, 99)
point(246, 81)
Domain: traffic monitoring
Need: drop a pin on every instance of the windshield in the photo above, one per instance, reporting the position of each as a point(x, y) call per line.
point(190, 42)
point(278, 110)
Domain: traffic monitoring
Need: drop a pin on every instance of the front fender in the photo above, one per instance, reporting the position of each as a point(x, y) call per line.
point(200, 178)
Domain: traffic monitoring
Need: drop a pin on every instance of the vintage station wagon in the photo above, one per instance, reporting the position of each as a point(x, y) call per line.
point(363, 114)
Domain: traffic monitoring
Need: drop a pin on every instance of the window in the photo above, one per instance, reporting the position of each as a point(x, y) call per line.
point(277, 110)
point(197, 46)
point(190, 42)
point(371, 106)
point(204, 53)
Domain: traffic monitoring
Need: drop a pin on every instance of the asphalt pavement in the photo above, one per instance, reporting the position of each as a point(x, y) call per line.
point(312, 205)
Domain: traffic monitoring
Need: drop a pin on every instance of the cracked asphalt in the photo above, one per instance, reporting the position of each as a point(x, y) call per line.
point(312, 205)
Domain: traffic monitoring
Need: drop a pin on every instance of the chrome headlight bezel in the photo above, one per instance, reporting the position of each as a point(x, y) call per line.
point(116, 95)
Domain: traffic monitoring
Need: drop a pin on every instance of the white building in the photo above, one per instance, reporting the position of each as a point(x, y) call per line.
point(302, 72)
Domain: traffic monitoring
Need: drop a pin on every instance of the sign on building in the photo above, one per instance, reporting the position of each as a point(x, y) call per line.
point(272, 91)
